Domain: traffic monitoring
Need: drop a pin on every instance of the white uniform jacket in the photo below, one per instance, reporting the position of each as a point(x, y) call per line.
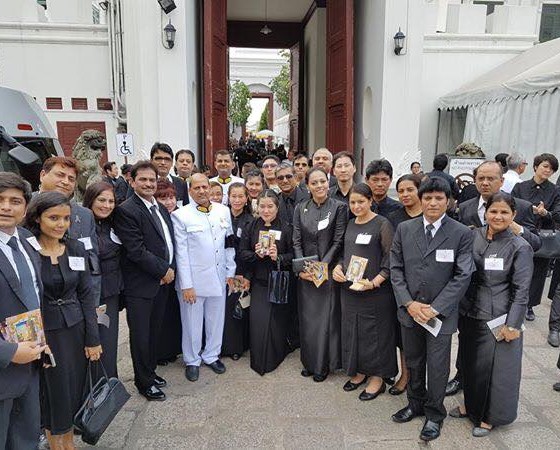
point(203, 261)
point(225, 186)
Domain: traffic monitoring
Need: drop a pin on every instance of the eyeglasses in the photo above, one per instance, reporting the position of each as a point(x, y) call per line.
point(301, 164)
point(288, 176)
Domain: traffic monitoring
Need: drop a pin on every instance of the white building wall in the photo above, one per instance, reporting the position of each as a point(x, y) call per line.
point(56, 59)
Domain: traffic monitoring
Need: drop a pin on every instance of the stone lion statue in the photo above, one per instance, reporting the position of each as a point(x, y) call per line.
point(87, 151)
point(469, 150)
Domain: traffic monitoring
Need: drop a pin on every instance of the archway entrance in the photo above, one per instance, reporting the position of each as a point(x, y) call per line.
point(238, 23)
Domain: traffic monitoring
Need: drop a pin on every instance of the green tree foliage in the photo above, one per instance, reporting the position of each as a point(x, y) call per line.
point(239, 103)
point(280, 85)
point(263, 122)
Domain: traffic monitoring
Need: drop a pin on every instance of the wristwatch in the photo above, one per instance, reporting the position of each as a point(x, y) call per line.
point(512, 329)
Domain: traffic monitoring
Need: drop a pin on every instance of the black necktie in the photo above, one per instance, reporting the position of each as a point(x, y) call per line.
point(429, 236)
point(159, 226)
point(24, 273)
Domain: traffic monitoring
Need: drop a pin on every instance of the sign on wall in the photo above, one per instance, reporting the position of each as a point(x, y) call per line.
point(125, 144)
point(461, 166)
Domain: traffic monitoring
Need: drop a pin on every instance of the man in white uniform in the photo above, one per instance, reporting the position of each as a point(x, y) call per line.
point(205, 263)
point(223, 162)
point(516, 164)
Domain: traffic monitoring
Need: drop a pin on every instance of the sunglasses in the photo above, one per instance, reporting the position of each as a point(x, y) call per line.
point(288, 176)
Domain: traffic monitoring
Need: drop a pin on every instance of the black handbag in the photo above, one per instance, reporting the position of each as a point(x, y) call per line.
point(298, 264)
point(101, 405)
point(550, 244)
point(278, 285)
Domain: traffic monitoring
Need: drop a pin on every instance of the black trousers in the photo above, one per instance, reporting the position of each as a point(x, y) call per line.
point(20, 419)
point(537, 282)
point(423, 351)
point(145, 319)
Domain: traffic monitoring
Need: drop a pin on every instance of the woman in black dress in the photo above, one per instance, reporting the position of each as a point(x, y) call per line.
point(491, 363)
point(269, 322)
point(169, 340)
point(236, 329)
point(69, 318)
point(407, 188)
point(368, 315)
point(319, 225)
point(100, 198)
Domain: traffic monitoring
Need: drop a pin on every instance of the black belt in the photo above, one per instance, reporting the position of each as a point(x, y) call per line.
point(61, 301)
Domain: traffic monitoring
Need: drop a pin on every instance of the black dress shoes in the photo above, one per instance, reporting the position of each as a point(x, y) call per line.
point(554, 338)
point(191, 373)
point(349, 386)
point(319, 378)
point(235, 356)
point(556, 387)
point(153, 393)
point(306, 373)
point(430, 430)
point(390, 381)
point(159, 382)
point(394, 390)
point(405, 415)
point(453, 386)
point(457, 414)
point(530, 315)
point(217, 366)
point(365, 395)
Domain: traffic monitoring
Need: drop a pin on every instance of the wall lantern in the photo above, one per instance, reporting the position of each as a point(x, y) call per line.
point(169, 36)
point(399, 41)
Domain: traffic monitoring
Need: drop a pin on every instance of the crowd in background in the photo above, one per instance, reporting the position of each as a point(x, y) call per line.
point(185, 253)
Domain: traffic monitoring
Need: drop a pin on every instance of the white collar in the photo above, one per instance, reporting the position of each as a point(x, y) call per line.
point(481, 203)
point(436, 224)
point(5, 237)
point(146, 202)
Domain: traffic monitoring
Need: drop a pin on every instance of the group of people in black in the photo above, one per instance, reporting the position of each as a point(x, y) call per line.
point(433, 266)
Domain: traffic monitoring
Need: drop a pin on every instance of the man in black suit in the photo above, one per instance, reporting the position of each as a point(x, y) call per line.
point(148, 265)
point(323, 158)
point(440, 163)
point(21, 289)
point(489, 179)
point(162, 158)
point(111, 176)
point(431, 267)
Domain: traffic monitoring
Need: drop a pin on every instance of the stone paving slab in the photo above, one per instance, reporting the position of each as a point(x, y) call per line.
point(282, 410)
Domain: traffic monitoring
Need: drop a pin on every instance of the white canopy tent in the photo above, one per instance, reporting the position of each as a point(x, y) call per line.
point(515, 107)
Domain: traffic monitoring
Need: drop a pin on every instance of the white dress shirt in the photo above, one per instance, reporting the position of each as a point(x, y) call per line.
point(166, 231)
point(436, 225)
point(481, 210)
point(511, 178)
point(4, 238)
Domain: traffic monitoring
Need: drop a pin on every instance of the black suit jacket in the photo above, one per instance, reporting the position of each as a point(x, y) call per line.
point(468, 215)
point(417, 275)
point(144, 261)
point(181, 189)
point(77, 287)
point(15, 378)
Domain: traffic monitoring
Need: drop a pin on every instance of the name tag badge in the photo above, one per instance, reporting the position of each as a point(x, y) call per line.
point(363, 239)
point(445, 256)
point(77, 263)
point(494, 264)
point(277, 234)
point(323, 224)
point(114, 237)
point(87, 242)
point(34, 243)
point(239, 232)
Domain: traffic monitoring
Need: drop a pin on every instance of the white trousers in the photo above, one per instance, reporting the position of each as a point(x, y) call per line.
point(207, 312)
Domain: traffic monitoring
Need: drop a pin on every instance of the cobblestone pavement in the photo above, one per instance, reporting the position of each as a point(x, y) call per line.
point(241, 409)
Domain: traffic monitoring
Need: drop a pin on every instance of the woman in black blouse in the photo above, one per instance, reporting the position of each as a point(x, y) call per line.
point(491, 360)
point(69, 318)
point(100, 198)
point(368, 315)
point(236, 329)
point(319, 225)
point(269, 321)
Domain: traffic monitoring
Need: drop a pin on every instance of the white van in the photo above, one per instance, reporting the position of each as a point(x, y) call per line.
point(27, 138)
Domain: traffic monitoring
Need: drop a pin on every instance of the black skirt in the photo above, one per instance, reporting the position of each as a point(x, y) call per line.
point(236, 331)
point(319, 326)
point(491, 374)
point(368, 332)
point(269, 330)
point(63, 386)
point(170, 335)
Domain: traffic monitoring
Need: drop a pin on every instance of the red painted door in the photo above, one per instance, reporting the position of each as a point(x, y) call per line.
point(296, 97)
point(340, 75)
point(69, 132)
point(215, 78)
